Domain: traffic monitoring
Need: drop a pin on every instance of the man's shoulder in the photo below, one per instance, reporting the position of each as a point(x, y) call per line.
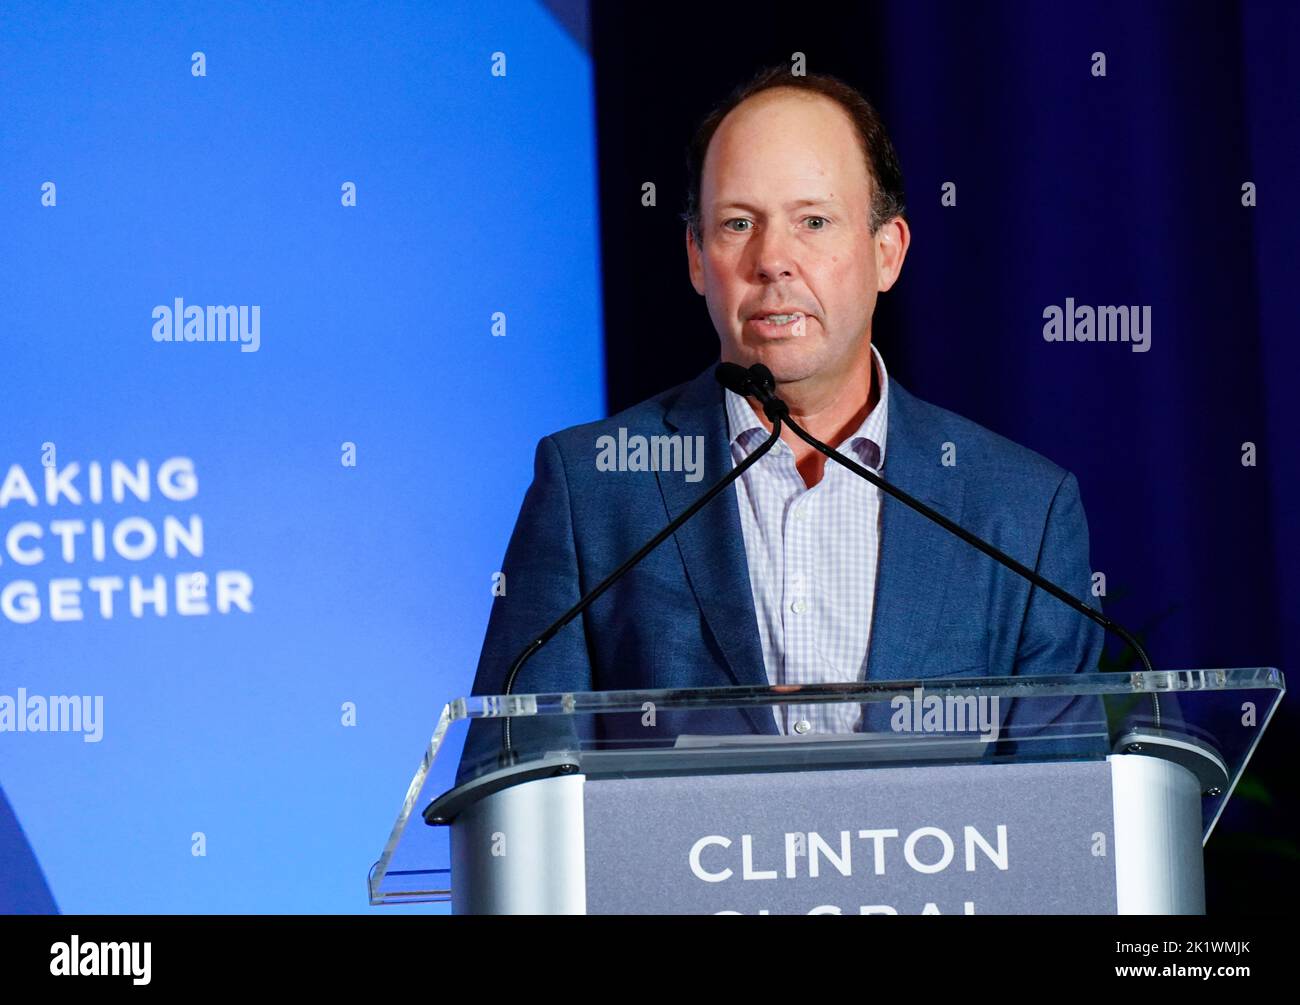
point(973, 452)
point(648, 417)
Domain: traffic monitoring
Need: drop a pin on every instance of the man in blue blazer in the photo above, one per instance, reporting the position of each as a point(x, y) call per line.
point(792, 233)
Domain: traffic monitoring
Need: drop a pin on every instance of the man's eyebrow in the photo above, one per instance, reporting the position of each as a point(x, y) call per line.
point(795, 204)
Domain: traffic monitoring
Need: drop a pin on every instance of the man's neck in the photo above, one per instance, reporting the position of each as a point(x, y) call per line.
point(831, 410)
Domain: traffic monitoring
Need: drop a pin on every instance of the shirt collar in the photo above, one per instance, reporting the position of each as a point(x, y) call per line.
point(867, 442)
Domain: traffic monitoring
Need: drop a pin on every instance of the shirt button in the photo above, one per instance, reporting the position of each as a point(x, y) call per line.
point(802, 726)
point(801, 515)
point(798, 607)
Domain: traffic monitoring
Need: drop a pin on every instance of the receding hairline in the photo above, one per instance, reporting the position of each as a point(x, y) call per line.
point(777, 91)
point(770, 94)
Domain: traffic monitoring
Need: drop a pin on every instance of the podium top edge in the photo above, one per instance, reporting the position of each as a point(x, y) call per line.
point(1016, 686)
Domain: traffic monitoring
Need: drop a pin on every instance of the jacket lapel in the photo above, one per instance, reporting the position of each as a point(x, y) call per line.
point(916, 555)
point(712, 544)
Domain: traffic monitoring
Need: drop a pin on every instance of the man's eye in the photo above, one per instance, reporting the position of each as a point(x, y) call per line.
point(821, 218)
point(728, 223)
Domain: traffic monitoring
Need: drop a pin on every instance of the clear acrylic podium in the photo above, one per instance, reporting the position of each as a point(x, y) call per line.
point(1072, 794)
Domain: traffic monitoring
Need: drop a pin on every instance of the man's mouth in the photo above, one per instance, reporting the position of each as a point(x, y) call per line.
point(781, 324)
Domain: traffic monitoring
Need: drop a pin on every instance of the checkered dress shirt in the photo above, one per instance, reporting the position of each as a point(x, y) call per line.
point(812, 556)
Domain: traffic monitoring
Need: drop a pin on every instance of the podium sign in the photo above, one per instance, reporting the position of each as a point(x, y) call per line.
point(965, 839)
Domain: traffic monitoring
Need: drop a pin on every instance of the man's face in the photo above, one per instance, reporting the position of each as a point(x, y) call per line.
point(785, 210)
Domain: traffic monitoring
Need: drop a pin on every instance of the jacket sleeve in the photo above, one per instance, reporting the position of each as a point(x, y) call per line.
point(542, 581)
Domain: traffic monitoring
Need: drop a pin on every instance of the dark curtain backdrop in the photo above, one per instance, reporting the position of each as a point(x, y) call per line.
point(1123, 189)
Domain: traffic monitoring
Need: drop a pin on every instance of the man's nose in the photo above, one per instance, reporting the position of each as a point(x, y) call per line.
point(773, 255)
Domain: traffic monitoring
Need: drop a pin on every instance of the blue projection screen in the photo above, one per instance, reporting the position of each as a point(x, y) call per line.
point(289, 295)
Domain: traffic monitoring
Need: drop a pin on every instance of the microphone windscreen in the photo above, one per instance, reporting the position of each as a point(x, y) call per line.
point(734, 377)
point(762, 378)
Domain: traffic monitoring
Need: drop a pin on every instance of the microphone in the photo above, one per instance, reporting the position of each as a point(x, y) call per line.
point(729, 375)
point(764, 389)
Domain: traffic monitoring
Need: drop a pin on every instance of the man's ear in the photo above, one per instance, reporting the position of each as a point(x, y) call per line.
point(694, 262)
point(892, 241)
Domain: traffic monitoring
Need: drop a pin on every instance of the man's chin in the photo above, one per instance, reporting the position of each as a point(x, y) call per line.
point(788, 361)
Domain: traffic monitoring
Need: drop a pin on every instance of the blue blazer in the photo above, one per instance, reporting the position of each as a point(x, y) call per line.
point(684, 618)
